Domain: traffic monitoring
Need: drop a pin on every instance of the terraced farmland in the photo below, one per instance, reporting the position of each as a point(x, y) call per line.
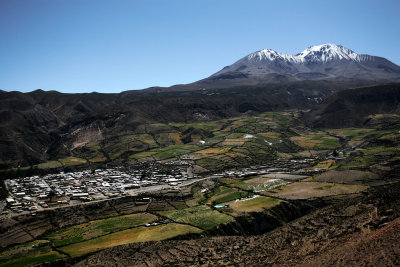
point(266, 139)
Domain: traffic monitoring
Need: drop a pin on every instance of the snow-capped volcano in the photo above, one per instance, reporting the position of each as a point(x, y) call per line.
point(318, 53)
point(326, 61)
point(324, 64)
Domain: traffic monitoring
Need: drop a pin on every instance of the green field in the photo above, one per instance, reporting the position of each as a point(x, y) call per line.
point(49, 165)
point(142, 155)
point(72, 161)
point(351, 132)
point(279, 116)
point(174, 150)
point(209, 163)
point(224, 145)
point(167, 152)
point(139, 234)
point(219, 192)
point(165, 142)
point(200, 216)
point(97, 228)
point(26, 255)
point(229, 197)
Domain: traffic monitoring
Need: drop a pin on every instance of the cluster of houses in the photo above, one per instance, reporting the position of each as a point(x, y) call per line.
point(36, 193)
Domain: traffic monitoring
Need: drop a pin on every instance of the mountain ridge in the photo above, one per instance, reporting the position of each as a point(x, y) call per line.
point(316, 62)
point(327, 62)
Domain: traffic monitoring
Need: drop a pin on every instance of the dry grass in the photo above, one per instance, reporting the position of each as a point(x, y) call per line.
point(316, 141)
point(351, 131)
point(307, 190)
point(347, 177)
point(71, 161)
point(271, 135)
point(325, 164)
point(196, 137)
point(148, 139)
point(234, 155)
point(256, 204)
point(176, 137)
point(234, 142)
point(214, 150)
point(135, 235)
point(49, 165)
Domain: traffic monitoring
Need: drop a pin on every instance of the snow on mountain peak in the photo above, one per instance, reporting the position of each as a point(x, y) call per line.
point(324, 61)
point(328, 52)
point(317, 53)
point(270, 55)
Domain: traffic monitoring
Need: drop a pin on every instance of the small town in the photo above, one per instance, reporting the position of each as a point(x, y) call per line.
point(52, 190)
point(35, 193)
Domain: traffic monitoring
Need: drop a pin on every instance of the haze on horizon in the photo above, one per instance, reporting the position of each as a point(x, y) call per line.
point(111, 46)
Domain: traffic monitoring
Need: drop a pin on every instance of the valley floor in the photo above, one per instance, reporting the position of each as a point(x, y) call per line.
point(314, 197)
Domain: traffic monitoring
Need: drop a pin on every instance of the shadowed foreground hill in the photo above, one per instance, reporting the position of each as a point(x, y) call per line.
point(361, 231)
point(352, 107)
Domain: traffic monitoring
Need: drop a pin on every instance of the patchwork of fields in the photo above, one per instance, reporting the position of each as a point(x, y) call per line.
point(345, 161)
point(231, 142)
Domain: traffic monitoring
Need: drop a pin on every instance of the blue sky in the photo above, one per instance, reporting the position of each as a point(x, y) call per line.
point(112, 46)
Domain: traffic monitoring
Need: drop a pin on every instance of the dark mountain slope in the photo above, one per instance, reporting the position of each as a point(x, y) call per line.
point(24, 128)
point(351, 107)
point(41, 126)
